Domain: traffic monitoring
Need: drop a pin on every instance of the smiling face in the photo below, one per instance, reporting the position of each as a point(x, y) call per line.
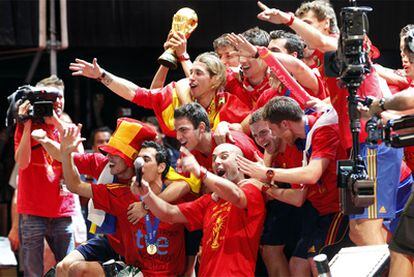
point(224, 162)
point(263, 136)
point(200, 81)
point(253, 68)
point(187, 135)
point(151, 170)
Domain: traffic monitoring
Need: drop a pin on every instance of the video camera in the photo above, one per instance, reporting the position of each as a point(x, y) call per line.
point(388, 133)
point(351, 63)
point(41, 99)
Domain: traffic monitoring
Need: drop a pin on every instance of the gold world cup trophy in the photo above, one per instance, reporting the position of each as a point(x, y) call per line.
point(185, 20)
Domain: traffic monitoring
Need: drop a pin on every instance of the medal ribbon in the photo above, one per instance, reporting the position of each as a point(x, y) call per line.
point(152, 230)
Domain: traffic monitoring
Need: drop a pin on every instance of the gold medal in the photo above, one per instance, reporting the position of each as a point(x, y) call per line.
point(151, 249)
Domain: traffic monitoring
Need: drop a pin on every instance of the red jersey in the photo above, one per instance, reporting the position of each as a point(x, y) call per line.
point(247, 93)
point(231, 235)
point(169, 260)
point(40, 190)
point(369, 87)
point(92, 164)
point(224, 106)
point(324, 195)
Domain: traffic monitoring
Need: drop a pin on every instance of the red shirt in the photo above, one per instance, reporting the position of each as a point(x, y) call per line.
point(369, 87)
point(170, 258)
point(324, 195)
point(92, 164)
point(224, 106)
point(230, 235)
point(247, 93)
point(40, 183)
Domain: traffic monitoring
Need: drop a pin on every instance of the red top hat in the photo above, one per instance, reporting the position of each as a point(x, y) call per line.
point(127, 139)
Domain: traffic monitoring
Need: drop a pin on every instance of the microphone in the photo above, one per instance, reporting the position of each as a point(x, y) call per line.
point(138, 164)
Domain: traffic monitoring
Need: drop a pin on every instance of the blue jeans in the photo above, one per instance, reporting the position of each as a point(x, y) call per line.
point(33, 229)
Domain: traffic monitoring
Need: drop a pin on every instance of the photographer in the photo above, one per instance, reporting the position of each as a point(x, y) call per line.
point(45, 207)
point(402, 246)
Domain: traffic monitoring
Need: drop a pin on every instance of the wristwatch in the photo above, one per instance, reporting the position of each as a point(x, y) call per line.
point(269, 176)
point(381, 104)
point(184, 57)
point(144, 206)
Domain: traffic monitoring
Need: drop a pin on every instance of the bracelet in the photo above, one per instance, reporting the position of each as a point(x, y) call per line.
point(292, 18)
point(105, 79)
point(203, 173)
point(144, 206)
point(381, 104)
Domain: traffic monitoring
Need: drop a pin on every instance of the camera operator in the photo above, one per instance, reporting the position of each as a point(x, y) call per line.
point(322, 35)
point(44, 206)
point(402, 246)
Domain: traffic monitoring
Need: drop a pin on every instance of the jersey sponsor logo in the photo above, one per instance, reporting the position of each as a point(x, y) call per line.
point(162, 243)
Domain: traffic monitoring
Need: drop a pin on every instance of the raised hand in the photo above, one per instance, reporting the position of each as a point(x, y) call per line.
point(70, 139)
point(188, 162)
point(178, 42)
point(273, 15)
point(39, 135)
point(253, 169)
point(138, 189)
point(244, 47)
point(222, 132)
point(83, 68)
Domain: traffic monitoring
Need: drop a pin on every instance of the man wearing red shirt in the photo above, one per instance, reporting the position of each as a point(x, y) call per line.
point(318, 138)
point(116, 198)
point(231, 217)
point(44, 205)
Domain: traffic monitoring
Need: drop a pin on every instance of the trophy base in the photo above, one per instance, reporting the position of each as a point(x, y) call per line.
point(168, 59)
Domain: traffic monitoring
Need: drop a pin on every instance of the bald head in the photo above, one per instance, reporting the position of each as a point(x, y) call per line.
point(227, 147)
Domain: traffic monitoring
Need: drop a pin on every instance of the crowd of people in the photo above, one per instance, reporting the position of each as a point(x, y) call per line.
point(260, 128)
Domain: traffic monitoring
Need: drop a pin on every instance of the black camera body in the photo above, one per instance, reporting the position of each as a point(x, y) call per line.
point(42, 100)
point(388, 133)
point(351, 63)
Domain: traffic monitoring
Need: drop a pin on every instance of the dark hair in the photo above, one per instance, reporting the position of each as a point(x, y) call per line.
point(162, 155)
point(257, 37)
point(282, 108)
point(293, 42)
point(322, 10)
point(256, 116)
point(221, 41)
point(193, 112)
point(103, 129)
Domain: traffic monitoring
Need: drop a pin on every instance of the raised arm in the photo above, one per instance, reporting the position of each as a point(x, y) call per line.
point(124, 88)
point(69, 143)
point(314, 38)
point(224, 188)
point(160, 208)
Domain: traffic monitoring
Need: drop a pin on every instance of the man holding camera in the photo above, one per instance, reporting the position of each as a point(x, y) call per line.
point(45, 207)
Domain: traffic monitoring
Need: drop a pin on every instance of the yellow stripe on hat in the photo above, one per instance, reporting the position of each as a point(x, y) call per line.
point(123, 136)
